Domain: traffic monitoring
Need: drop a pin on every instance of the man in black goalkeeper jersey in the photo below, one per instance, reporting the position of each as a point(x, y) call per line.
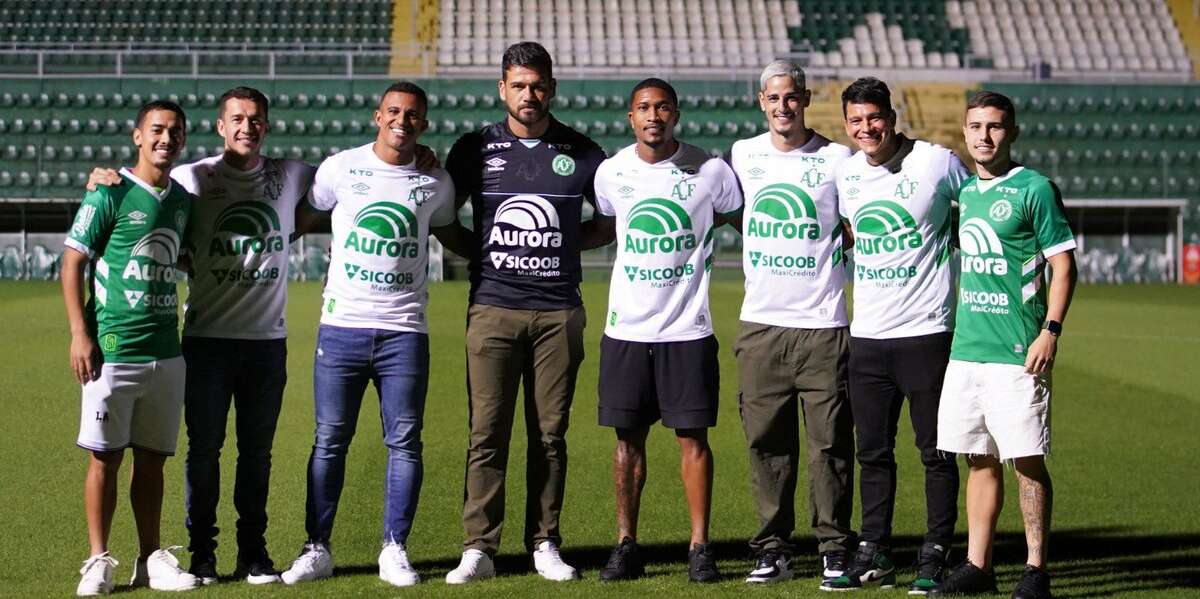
point(527, 178)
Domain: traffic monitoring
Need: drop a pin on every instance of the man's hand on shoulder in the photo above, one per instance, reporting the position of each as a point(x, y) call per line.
point(103, 176)
point(427, 160)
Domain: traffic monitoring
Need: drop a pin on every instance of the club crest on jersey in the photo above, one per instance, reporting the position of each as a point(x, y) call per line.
point(246, 228)
point(384, 229)
point(563, 165)
point(813, 177)
point(906, 188)
point(883, 226)
point(783, 211)
point(982, 251)
point(1000, 211)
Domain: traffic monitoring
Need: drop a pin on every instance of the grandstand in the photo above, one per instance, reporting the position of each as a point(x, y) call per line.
point(1106, 89)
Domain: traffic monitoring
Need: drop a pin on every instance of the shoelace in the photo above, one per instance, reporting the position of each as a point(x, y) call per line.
point(705, 561)
point(96, 559)
point(835, 562)
point(400, 559)
point(1030, 583)
point(618, 557)
point(862, 561)
point(930, 566)
point(167, 554)
point(767, 560)
point(309, 556)
point(551, 555)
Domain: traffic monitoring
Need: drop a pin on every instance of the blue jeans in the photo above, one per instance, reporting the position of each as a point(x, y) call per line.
point(347, 359)
point(252, 373)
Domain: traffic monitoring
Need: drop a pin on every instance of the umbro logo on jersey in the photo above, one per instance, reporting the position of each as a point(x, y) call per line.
point(133, 297)
point(756, 172)
point(137, 217)
point(360, 188)
point(625, 190)
point(496, 164)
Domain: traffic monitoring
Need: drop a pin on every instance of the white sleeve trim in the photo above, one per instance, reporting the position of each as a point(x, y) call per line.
point(1055, 250)
point(79, 247)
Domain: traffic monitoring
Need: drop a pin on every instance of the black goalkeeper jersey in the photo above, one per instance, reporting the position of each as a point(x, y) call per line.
point(527, 196)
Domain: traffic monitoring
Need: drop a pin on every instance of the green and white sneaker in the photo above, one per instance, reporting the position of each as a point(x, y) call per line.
point(931, 568)
point(872, 566)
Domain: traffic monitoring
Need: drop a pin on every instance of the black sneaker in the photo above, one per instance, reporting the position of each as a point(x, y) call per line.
point(771, 566)
point(872, 565)
point(931, 568)
point(966, 579)
point(204, 568)
point(625, 562)
point(834, 564)
point(1034, 584)
point(702, 564)
point(257, 569)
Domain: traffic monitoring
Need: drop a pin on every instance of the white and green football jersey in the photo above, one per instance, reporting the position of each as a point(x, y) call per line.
point(238, 243)
point(791, 233)
point(900, 213)
point(664, 219)
point(132, 235)
point(379, 253)
point(1008, 227)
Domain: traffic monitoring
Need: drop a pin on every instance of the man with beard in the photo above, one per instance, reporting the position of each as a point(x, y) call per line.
point(527, 178)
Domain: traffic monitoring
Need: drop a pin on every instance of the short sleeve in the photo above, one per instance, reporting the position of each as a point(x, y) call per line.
point(603, 204)
point(952, 181)
point(838, 174)
point(729, 198)
point(595, 157)
point(185, 177)
point(1050, 225)
point(323, 195)
point(93, 223)
point(304, 174)
point(443, 212)
point(465, 163)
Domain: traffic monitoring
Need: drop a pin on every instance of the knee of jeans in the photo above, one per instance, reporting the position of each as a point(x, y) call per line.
point(877, 456)
point(931, 456)
point(333, 439)
point(406, 441)
point(408, 451)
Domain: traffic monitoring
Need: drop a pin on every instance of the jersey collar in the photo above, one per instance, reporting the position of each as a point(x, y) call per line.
point(986, 184)
point(127, 173)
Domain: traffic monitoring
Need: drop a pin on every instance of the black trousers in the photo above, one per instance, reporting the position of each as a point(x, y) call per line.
point(882, 373)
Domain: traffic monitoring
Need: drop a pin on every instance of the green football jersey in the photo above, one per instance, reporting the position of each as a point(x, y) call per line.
point(132, 234)
point(1007, 228)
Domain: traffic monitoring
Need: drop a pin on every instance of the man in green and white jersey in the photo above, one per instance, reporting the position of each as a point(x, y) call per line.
point(793, 345)
point(125, 345)
point(896, 194)
point(996, 399)
point(658, 357)
point(373, 327)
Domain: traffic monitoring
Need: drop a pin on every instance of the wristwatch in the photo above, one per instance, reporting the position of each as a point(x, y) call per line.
point(1054, 326)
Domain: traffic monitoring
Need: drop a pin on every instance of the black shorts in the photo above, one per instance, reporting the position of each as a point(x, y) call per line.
point(676, 381)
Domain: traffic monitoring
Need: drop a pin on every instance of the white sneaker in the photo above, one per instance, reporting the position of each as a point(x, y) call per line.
point(475, 565)
point(314, 563)
point(394, 567)
point(161, 572)
point(550, 565)
point(97, 574)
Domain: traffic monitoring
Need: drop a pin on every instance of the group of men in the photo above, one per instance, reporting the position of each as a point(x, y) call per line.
point(898, 204)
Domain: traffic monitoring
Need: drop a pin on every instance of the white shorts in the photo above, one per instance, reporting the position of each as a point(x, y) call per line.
point(133, 405)
point(994, 409)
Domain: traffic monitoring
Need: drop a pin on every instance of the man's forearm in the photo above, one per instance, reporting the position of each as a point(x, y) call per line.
point(1062, 286)
point(458, 239)
point(72, 283)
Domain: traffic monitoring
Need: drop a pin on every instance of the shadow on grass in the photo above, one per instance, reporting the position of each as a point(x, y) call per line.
point(1087, 562)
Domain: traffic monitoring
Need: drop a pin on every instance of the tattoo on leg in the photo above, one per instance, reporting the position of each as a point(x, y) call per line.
point(1036, 497)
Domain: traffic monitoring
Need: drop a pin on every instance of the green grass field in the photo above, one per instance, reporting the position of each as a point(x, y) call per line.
point(1126, 515)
